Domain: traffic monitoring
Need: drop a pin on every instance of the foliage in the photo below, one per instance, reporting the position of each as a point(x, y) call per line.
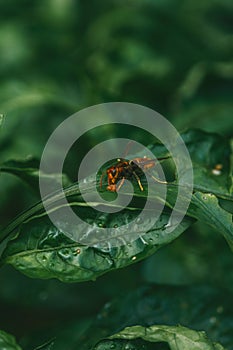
point(175, 58)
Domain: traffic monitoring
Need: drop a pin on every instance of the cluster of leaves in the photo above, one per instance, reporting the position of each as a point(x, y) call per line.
point(39, 249)
point(177, 61)
point(116, 325)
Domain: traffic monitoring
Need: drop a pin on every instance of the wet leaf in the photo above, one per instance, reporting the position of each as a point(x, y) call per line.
point(40, 250)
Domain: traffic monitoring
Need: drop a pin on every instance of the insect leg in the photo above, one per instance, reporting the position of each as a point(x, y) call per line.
point(121, 183)
point(138, 180)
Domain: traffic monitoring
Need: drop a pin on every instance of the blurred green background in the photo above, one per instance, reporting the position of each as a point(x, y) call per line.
point(59, 56)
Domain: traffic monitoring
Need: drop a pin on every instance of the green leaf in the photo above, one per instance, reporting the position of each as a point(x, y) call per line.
point(198, 308)
point(28, 170)
point(131, 344)
point(40, 250)
point(212, 186)
point(7, 342)
point(178, 337)
point(208, 150)
point(205, 207)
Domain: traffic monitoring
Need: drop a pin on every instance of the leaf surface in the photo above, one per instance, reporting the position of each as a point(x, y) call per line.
point(7, 342)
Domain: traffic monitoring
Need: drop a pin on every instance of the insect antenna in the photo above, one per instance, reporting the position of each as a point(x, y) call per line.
point(128, 146)
point(158, 180)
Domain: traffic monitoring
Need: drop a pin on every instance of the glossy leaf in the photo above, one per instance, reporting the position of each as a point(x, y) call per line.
point(211, 156)
point(206, 207)
point(178, 337)
point(42, 251)
point(208, 151)
point(7, 342)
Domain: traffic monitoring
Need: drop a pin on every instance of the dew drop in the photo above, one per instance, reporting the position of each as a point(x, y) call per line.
point(204, 198)
point(134, 258)
point(44, 258)
point(216, 172)
point(217, 169)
